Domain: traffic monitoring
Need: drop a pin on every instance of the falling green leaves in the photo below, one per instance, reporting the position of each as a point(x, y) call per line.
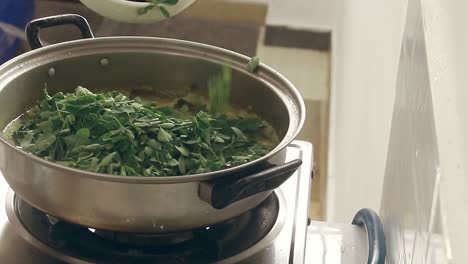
point(219, 90)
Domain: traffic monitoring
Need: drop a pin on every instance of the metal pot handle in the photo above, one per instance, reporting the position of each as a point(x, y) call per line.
point(221, 193)
point(33, 27)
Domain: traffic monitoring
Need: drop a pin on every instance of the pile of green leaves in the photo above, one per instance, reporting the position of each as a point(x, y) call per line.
point(111, 133)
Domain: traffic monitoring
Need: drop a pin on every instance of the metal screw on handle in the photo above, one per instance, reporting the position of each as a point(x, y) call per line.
point(33, 27)
point(368, 219)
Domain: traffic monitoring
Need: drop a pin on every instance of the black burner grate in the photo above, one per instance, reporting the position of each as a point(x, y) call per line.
point(203, 245)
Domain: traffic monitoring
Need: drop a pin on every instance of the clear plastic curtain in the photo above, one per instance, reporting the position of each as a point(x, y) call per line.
point(410, 202)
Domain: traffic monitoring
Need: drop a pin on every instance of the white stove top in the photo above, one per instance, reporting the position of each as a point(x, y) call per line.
point(286, 242)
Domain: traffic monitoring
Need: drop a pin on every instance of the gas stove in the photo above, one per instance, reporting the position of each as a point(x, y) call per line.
point(273, 232)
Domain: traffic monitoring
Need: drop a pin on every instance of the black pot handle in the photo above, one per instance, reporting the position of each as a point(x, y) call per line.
point(375, 234)
point(220, 194)
point(33, 27)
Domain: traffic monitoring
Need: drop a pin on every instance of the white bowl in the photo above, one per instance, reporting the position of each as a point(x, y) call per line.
point(127, 11)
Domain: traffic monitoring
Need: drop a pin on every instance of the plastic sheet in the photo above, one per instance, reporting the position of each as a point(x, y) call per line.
point(410, 201)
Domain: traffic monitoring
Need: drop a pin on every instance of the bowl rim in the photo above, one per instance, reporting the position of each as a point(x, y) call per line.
point(126, 2)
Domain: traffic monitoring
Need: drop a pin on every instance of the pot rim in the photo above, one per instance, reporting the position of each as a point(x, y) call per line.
point(10, 70)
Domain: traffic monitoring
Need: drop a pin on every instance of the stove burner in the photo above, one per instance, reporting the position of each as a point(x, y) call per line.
point(205, 245)
point(146, 240)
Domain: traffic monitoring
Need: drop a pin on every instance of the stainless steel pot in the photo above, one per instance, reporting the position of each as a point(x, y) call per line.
point(141, 204)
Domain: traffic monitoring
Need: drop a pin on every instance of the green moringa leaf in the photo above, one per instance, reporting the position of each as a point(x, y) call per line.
point(163, 136)
point(183, 150)
point(83, 134)
point(146, 9)
point(170, 2)
point(164, 11)
point(253, 64)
